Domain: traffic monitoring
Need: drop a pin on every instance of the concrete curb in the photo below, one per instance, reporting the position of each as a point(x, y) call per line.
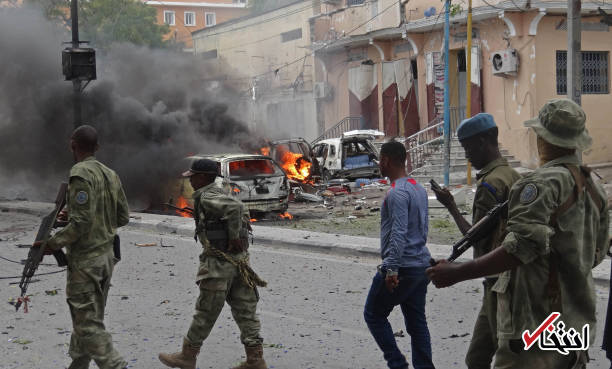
point(293, 238)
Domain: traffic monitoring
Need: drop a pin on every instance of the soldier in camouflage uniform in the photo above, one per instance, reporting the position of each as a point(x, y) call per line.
point(224, 275)
point(96, 207)
point(478, 136)
point(557, 232)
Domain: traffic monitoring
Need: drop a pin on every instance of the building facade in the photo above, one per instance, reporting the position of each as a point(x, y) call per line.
point(384, 62)
point(267, 56)
point(187, 16)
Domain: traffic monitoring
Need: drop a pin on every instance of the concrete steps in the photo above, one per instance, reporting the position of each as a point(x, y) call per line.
point(434, 165)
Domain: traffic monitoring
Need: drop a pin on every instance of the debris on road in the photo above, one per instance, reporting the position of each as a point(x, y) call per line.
point(145, 244)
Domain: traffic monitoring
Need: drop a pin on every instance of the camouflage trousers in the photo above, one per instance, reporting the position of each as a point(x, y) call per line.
point(484, 338)
point(87, 288)
point(511, 355)
point(220, 282)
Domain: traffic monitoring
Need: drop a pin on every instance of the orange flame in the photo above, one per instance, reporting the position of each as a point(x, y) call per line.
point(286, 215)
point(253, 220)
point(182, 203)
point(296, 166)
point(265, 151)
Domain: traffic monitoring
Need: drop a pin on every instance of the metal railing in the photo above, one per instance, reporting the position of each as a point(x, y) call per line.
point(345, 125)
point(422, 145)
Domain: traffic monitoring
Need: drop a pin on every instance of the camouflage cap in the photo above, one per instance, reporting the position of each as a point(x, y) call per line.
point(561, 122)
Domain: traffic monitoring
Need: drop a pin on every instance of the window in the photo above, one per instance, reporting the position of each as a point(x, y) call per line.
point(294, 34)
point(211, 19)
point(210, 54)
point(595, 78)
point(190, 19)
point(250, 168)
point(169, 17)
point(354, 2)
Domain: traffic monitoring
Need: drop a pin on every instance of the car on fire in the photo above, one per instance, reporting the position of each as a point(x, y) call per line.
point(256, 180)
point(294, 155)
point(351, 156)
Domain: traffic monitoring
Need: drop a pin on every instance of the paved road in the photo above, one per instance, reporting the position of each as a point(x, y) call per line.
point(311, 312)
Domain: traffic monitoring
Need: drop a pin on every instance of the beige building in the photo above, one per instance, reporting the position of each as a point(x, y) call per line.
point(384, 63)
point(267, 57)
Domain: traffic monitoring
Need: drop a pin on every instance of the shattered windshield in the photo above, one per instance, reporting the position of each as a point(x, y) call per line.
point(251, 168)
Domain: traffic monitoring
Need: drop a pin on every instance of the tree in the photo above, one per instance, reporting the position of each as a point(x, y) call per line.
point(102, 22)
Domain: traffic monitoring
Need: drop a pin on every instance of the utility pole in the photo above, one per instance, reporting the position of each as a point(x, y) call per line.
point(468, 80)
point(574, 54)
point(446, 96)
point(76, 83)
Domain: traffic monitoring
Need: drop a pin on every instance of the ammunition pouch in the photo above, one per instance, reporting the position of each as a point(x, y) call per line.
point(217, 235)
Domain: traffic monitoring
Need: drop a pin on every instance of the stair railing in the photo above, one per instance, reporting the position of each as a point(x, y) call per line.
point(345, 125)
point(428, 141)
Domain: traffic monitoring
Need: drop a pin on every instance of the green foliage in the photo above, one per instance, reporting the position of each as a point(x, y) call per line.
point(102, 22)
point(455, 9)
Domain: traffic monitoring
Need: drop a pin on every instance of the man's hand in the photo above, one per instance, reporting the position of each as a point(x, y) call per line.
point(235, 246)
point(62, 216)
point(38, 244)
point(444, 197)
point(391, 282)
point(444, 274)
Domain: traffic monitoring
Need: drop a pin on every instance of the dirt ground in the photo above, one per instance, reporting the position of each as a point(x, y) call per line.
point(358, 214)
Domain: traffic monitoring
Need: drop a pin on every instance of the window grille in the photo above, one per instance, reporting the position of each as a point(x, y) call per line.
point(294, 34)
point(595, 78)
point(354, 2)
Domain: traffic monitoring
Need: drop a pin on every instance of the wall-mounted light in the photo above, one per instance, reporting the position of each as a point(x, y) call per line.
point(371, 41)
point(404, 34)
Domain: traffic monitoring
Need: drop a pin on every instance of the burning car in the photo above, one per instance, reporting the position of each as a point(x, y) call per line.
point(351, 156)
point(295, 157)
point(256, 180)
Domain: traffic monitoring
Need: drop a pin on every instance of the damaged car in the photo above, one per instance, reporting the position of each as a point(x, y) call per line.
point(350, 156)
point(256, 180)
point(295, 158)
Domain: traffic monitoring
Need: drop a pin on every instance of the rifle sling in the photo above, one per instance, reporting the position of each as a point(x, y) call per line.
point(580, 176)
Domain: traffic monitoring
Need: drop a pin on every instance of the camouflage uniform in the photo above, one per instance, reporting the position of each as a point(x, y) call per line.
point(97, 206)
point(493, 187)
point(558, 249)
point(221, 280)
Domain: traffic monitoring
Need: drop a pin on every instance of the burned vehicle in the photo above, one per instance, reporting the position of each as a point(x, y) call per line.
point(295, 158)
point(256, 180)
point(350, 156)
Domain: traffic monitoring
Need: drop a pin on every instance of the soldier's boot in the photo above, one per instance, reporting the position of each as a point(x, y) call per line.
point(254, 359)
point(186, 359)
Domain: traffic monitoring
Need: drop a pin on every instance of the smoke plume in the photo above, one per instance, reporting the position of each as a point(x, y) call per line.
point(151, 108)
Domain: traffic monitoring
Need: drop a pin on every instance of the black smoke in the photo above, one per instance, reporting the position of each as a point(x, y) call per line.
point(151, 108)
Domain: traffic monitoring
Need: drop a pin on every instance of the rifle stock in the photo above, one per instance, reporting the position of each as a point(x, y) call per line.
point(35, 255)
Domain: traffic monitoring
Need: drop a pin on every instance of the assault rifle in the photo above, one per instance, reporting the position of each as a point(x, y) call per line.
point(36, 254)
point(187, 210)
point(477, 232)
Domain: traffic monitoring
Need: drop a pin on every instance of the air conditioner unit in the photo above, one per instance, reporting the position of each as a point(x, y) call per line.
point(322, 90)
point(505, 62)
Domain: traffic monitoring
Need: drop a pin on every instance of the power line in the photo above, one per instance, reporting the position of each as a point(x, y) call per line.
point(332, 43)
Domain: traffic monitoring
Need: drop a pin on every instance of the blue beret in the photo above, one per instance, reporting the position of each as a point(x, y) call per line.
point(475, 125)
